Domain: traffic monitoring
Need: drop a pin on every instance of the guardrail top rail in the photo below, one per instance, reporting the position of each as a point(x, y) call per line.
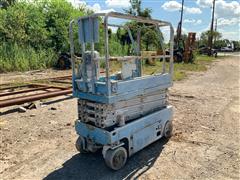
point(88, 33)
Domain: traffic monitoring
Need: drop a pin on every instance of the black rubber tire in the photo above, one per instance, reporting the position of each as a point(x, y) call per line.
point(64, 62)
point(116, 158)
point(80, 145)
point(168, 128)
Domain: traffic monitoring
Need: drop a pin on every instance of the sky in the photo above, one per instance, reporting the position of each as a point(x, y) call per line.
point(196, 17)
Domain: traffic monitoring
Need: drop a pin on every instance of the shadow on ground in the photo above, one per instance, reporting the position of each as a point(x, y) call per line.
point(92, 166)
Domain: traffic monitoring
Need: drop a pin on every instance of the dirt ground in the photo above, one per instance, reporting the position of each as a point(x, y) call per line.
point(19, 77)
point(39, 143)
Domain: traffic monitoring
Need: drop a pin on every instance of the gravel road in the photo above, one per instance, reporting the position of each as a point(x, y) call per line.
point(39, 143)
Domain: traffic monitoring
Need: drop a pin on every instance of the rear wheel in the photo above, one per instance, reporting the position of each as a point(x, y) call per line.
point(116, 158)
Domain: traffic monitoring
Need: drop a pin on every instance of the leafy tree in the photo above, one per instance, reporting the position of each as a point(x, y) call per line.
point(23, 23)
point(150, 38)
point(136, 10)
point(40, 26)
point(236, 45)
point(6, 3)
point(149, 35)
point(219, 44)
point(12, 25)
point(135, 7)
point(204, 37)
point(58, 14)
point(124, 39)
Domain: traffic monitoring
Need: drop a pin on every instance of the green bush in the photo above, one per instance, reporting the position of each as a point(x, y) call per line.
point(34, 33)
point(23, 58)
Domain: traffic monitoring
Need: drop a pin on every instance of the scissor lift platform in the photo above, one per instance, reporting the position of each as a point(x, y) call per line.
point(124, 112)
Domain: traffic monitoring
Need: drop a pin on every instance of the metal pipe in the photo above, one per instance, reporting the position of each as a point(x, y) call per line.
point(163, 49)
point(159, 23)
point(72, 47)
point(139, 63)
point(53, 78)
point(61, 82)
point(126, 26)
point(23, 91)
point(13, 87)
point(84, 73)
point(129, 17)
point(21, 100)
point(83, 49)
point(93, 67)
point(132, 40)
point(171, 67)
point(128, 58)
point(9, 85)
point(72, 53)
point(107, 56)
point(116, 25)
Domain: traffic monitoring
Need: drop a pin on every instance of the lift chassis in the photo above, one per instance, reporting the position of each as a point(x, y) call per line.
point(124, 112)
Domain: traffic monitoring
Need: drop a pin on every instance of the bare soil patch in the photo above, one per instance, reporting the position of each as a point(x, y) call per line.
point(39, 143)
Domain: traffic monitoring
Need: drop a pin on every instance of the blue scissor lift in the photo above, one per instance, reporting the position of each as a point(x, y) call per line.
point(124, 112)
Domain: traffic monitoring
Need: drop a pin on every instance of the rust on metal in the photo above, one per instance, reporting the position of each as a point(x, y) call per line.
point(35, 97)
point(22, 91)
point(20, 94)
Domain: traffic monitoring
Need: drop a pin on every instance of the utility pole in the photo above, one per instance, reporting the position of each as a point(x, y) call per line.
point(216, 21)
point(180, 28)
point(215, 29)
point(210, 38)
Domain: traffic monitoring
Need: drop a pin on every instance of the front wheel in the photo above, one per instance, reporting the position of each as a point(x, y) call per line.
point(116, 158)
point(168, 129)
point(80, 145)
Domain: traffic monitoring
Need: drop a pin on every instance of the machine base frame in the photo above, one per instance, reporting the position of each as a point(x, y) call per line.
point(134, 136)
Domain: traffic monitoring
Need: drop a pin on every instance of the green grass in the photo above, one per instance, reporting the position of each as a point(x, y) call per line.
point(179, 75)
point(200, 64)
point(204, 58)
point(181, 69)
point(17, 58)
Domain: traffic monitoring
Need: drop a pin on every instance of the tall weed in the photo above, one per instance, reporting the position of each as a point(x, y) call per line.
point(23, 58)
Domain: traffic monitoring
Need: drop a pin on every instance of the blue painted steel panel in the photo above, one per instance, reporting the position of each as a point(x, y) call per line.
point(125, 89)
point(96, 134)
point(144, 82)
point(162, 115)
point(88, 30)
point(92, 97)
point(105, 137)
point(115, 98)
point(144, 137)
point(101, 88)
